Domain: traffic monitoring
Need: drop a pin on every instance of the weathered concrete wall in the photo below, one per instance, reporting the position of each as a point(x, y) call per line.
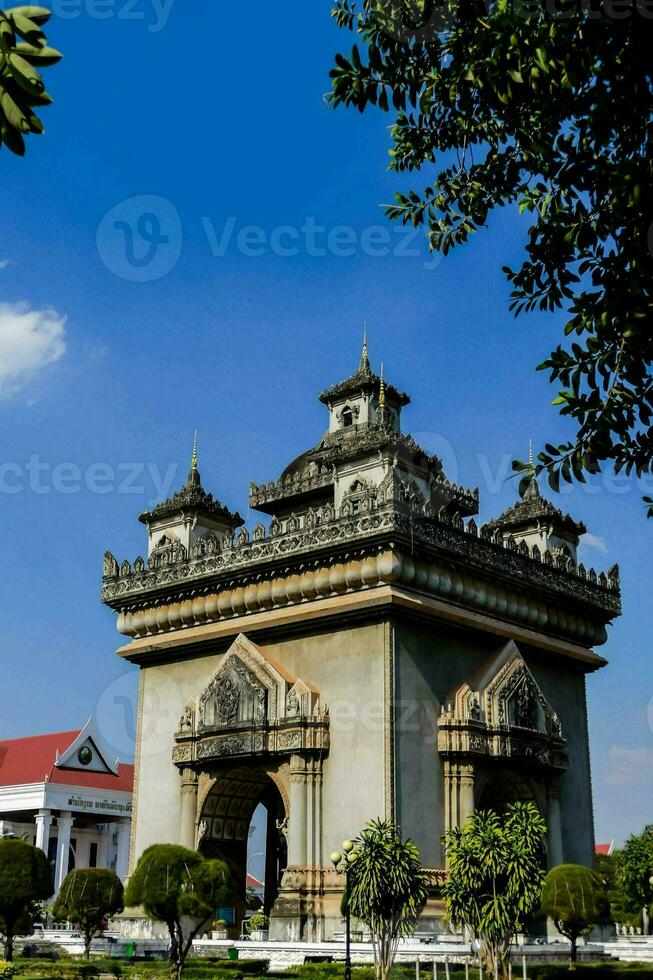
point(346, 666)
point(564, 687)
point(350, 668)
point(430, 660)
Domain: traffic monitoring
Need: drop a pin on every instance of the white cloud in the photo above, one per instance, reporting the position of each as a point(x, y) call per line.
point(594, 542)
point(628, 767)
point(4, 263)
point(29, 340)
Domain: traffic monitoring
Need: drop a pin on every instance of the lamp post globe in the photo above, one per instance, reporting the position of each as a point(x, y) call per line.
point(335, 857)
point(348, 846)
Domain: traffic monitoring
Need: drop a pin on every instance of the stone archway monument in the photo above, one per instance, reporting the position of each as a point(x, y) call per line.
point(254, 724)
point(452, 657)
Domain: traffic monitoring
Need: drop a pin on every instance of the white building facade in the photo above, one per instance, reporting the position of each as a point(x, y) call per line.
point(63, 793)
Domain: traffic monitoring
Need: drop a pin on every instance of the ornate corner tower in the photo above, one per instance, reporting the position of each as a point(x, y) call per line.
point(370, 652)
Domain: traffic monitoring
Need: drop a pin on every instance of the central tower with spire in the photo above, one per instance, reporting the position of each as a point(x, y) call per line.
point(362, 458)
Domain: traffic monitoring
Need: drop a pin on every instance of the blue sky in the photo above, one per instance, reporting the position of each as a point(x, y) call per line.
point(212, 117)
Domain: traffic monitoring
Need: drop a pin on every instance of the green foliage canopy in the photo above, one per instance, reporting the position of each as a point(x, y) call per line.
point(635, 869)
point(24, 880)
point(547, 106)
point(575, 898)
point(89, 896)
point(181, 888)
point(387, 888)
point(495, 876)
point(23, 50)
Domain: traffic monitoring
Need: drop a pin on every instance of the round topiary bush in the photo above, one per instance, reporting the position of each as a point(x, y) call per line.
point(575, 898)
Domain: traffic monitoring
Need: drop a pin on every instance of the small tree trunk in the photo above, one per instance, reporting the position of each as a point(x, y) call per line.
point(494, 958)
point(573, 952)
point(172, 951)
point(9, 947)
point(87, 944)
point(385, 958)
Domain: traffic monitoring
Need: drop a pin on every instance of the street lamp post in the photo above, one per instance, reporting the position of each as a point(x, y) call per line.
point(342, 862)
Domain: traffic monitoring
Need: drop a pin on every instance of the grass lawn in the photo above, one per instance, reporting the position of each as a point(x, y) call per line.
point(202, 969)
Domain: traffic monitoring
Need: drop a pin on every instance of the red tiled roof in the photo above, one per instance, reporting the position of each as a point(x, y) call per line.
point(604, 848)
point(253, 882)
point(31, 760)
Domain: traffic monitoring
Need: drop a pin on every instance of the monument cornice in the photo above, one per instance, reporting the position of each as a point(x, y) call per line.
point(443, 558)
point(360, 586)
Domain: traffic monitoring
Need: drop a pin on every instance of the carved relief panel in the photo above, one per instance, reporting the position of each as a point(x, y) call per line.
point(234, 696)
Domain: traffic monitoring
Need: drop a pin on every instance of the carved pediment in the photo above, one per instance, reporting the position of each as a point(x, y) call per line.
point(250, 706)
point(512, 696)
point(502, 711)
point(246, 689)
point(505, 693)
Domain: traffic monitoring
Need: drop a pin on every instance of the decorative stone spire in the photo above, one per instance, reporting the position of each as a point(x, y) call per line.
point(365, 361)
point(194, 474)
point(363, 380)
point(382, 413)
point(531, 489)
point(192, 498)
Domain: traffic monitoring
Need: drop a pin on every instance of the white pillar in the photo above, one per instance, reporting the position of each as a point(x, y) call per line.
point(64, 823)
point(297, 822)
point(104, 839)
point(122, 858)
point(82, 849)
point(43, 821)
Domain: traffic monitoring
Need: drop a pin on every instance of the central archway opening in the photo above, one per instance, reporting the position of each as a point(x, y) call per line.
point(243, 823)
point(507, 786)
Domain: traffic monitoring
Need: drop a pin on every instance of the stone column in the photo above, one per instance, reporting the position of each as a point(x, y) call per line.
point(314, 815)
point(188, 811)
point(459, 780)
point(104, 839)
point(298, 808)
point(82, 855)
point(446, 771)
point(64, 823)
point(556, 854)
point(43, 821)
point(466, 791)
point(122, 857)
